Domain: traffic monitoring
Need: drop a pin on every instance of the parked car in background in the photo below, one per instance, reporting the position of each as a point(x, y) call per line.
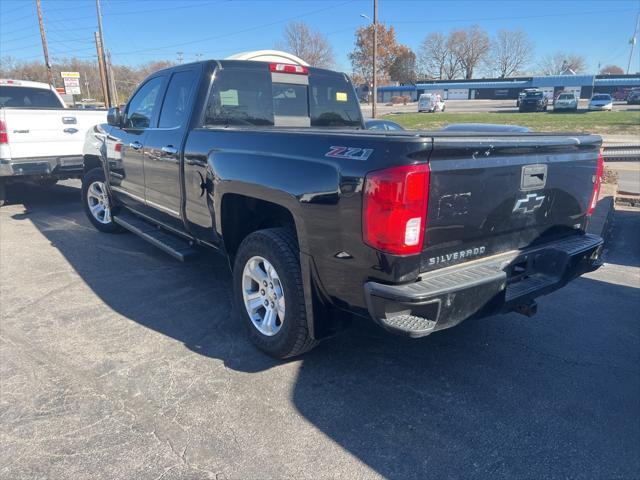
point(621, 94)
point(523, 93)
point(566, 102)
point(601, 101)
point(485, 128)
point(382, 125)
point(634, 96)
point(269, 164)
point(431, 102)
point(533, 101)
point(40, 139)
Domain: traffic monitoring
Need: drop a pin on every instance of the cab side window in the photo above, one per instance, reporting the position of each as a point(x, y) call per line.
point(141, 107)
point(177, 100)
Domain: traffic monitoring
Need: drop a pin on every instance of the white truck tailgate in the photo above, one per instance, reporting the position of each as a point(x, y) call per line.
point(34, 133)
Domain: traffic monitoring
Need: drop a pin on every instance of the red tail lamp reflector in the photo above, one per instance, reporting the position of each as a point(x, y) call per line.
point(4, 137)
point(395, 209)
point(597, 181)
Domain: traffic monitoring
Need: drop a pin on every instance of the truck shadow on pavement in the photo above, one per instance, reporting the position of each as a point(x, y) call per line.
point(506, 396)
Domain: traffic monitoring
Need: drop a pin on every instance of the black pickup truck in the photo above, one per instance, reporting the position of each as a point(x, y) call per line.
point(321, 219)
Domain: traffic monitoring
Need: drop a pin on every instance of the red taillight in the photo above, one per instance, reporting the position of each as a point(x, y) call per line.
point(118, 147)
point(597, 180)
point(395, 209)
point(287, 68)
point(4, 138)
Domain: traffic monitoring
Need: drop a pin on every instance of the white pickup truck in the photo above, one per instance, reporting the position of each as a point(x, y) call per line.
point(40, 139)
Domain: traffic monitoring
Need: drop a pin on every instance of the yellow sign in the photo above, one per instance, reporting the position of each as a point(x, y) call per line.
point(341, 96)
point(70, 74)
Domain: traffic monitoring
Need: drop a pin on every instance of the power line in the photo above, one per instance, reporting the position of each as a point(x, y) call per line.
point(440, 20)
point(244, 30)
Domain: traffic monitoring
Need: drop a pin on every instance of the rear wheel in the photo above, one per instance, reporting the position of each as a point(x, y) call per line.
point(267, 284)
point(96, 202)
point(3, 192)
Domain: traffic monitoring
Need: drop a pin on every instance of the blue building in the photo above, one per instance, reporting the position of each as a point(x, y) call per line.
point(508, 88)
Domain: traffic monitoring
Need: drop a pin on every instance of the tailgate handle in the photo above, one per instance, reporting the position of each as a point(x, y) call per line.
point(69, 120)
point(533, 177)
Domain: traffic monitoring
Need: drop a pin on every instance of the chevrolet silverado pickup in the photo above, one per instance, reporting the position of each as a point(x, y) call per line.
point(322, 220)
point(40, 139)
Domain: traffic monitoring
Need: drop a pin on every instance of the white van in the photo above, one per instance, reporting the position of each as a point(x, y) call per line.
point(431, 102)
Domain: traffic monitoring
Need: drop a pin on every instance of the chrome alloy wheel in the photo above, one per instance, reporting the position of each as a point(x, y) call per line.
point(263, 296)
point(98, 201)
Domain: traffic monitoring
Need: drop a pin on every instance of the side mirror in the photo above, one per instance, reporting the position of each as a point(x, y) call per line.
point(114, 117)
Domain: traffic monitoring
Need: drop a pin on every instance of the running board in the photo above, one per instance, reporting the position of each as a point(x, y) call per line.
point(173, 245)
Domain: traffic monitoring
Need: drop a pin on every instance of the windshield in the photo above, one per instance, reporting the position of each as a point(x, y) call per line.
point(566, 96)
point(247, 95)
point(28, 97)
point(601, 97)
point(534, 94)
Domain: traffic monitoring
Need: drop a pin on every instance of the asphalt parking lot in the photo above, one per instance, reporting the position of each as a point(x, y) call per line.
point(118, 362)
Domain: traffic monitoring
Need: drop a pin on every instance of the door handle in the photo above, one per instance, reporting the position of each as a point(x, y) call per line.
point(70, 130)
point(135, 145)
point(169, 150)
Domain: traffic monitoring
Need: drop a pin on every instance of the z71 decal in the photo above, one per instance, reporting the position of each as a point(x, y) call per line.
point(352, 153)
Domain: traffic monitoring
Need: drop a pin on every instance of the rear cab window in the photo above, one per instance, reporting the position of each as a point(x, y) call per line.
point(28, 97)
point(250, 94)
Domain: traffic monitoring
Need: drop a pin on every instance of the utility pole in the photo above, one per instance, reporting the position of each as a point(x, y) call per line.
point(102, 58)
point(633, 41)
point(374, 104)
point(112, 81)
point(101, 68)
point(45, 48)
point(180, 57)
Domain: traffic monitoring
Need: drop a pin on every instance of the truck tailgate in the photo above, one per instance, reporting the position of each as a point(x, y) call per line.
point(36, 133)
point(490, 195)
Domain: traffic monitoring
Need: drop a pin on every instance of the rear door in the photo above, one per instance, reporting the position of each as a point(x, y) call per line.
point(491, 195)
point(163, 147)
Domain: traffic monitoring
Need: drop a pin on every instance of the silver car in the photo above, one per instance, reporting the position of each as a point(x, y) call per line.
point(566, 102)
point(601, 101)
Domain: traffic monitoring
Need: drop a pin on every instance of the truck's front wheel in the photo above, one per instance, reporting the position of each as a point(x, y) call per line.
point(97, 203)
point(267, 285)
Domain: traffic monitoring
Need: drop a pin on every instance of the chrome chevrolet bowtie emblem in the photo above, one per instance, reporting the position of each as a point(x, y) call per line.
point(528, 204)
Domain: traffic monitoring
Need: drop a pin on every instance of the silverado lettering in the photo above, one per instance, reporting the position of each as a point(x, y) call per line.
point(468, 253)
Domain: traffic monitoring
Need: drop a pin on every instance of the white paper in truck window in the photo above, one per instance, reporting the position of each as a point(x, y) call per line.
point(229, 98)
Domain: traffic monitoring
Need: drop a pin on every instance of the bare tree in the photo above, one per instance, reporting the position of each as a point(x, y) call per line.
point(611, 70)
point(310, 45)
point(510, 51)
point(127, 78)
point(470, 47)
point(431, 55)
point(560, 63)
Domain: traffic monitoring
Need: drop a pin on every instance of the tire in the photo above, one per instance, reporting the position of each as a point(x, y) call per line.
point(278, 247)
point(3, 192)
point(106, 224)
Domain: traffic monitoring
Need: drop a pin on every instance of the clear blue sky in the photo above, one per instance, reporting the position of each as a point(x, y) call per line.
point(143, 30)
